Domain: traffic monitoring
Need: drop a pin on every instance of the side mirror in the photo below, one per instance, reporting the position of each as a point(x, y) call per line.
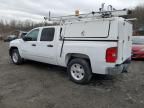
point(27, 38)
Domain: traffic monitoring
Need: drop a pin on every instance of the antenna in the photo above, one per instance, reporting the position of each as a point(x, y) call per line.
point(102, 7)
point(49, 16)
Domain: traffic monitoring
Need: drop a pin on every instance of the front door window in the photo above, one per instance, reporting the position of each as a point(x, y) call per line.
point(33, 34)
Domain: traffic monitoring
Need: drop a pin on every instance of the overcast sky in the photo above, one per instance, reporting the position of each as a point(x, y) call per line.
point(36, 9)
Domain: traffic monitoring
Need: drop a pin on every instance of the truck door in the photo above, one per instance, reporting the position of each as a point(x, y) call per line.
point(125, 44)
point(46, 46)
point(29, 48)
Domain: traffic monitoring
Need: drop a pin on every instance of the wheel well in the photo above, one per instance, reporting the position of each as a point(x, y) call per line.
point(71, 56)
point(12, 48)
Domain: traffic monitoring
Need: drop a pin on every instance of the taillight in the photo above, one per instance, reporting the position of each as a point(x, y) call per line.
point(111, 55)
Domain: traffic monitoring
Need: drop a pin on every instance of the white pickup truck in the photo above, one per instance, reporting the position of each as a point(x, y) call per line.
point(100, 45)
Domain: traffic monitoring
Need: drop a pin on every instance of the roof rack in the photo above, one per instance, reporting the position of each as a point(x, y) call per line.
point(110, 12)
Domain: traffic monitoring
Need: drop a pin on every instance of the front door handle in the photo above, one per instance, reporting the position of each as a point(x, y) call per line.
point(49, 45)
point(33, 44)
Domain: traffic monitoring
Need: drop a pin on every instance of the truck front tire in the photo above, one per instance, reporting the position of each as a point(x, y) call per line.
point(15, 57)
point(79, 71)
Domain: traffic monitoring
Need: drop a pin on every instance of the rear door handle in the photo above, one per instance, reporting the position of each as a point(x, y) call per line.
point(33, 44)
point(49, 45)
point(128, 38)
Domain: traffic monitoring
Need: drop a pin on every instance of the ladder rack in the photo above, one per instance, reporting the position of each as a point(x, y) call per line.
point(111, 12)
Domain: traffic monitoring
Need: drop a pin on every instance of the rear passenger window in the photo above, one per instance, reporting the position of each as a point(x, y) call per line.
point(47, 34)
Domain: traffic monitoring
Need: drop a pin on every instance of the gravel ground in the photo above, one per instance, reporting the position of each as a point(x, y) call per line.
point(37, 85)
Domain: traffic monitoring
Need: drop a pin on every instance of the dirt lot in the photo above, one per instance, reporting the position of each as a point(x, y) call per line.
point(37, 85)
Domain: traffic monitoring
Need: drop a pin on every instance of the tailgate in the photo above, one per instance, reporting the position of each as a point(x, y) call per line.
point(125, 41)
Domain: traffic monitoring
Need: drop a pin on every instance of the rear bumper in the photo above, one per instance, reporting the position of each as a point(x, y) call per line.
point(118, 68)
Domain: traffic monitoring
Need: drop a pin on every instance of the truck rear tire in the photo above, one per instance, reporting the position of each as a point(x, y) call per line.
point(79, 71)
point(15, 57)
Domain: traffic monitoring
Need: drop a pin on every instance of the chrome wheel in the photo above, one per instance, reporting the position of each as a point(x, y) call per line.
point(77, 71)
point(15, 57)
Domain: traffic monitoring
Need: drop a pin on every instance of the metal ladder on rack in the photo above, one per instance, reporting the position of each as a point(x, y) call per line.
point(110, 12)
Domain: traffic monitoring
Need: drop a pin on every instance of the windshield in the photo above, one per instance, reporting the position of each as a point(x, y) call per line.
point(138, 40)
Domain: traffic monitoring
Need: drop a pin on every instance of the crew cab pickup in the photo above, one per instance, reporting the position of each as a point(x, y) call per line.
point(93, 45)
